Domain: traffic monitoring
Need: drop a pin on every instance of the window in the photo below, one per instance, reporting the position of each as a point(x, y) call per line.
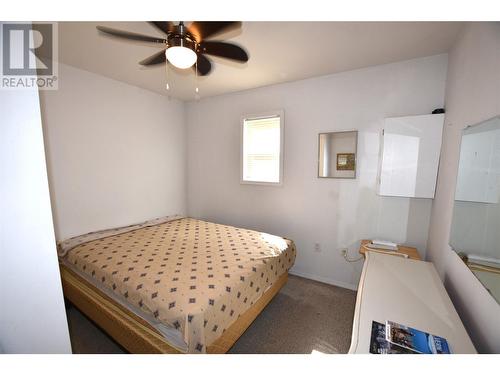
point(262, 156)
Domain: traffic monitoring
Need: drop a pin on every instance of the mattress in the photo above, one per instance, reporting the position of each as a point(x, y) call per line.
point(190, 279)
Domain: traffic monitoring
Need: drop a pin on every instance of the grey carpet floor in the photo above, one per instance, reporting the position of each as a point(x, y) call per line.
point(305, 316)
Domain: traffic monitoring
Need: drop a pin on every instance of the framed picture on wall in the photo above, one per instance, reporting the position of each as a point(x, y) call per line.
point(345, 162)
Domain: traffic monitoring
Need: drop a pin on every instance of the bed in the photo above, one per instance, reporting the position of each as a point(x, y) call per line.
point(174, 284)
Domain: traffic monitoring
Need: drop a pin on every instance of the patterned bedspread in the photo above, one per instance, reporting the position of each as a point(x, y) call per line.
point(193, 275)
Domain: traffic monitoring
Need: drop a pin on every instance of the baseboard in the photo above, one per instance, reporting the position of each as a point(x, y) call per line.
point(325, 280)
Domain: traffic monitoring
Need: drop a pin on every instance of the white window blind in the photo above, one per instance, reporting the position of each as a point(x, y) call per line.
point(262, 149)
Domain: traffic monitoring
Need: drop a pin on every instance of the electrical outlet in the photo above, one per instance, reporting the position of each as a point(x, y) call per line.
point(317, 248)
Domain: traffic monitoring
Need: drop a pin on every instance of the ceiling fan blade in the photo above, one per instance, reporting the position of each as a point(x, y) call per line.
point(164, 26)
point(203, 64)
point(129, 35)
point(157, 58)
point(205, 29)
point(223, 49)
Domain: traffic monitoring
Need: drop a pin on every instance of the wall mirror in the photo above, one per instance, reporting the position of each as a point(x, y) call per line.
point(337, 154)
point(475, 233)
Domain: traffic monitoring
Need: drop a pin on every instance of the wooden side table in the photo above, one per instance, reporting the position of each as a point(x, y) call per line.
point(410, 251)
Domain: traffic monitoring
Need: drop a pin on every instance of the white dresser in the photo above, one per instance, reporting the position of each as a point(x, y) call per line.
point(409, 292)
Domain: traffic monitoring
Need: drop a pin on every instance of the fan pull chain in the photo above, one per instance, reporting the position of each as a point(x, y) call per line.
point(166, 75)
point(196, 90)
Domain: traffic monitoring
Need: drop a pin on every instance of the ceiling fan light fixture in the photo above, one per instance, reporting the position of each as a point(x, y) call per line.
point(186, 46)
point(181, 57)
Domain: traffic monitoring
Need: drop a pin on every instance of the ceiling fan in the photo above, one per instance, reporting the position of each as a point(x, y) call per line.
point(186, 46)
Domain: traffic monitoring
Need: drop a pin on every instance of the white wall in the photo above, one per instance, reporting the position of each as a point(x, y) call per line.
point(334, 213)
point(472, 96)
point(115, 153)
point(32, 315)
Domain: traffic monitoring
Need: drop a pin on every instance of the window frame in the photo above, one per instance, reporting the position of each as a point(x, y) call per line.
point(276, 113)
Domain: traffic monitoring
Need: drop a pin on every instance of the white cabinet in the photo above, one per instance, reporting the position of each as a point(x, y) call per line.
point(411, 147)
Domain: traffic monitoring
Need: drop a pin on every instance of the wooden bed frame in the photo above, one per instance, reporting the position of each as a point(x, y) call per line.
point(134, 333)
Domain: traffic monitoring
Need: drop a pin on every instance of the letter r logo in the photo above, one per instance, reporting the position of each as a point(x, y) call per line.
point(27, 49)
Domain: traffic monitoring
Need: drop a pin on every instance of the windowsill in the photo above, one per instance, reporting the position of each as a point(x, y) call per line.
point(262, 183)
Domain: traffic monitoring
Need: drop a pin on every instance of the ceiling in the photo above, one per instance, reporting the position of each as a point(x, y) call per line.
point(279, 52)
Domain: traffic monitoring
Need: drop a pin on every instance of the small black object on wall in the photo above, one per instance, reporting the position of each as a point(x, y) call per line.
point(437, 111)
